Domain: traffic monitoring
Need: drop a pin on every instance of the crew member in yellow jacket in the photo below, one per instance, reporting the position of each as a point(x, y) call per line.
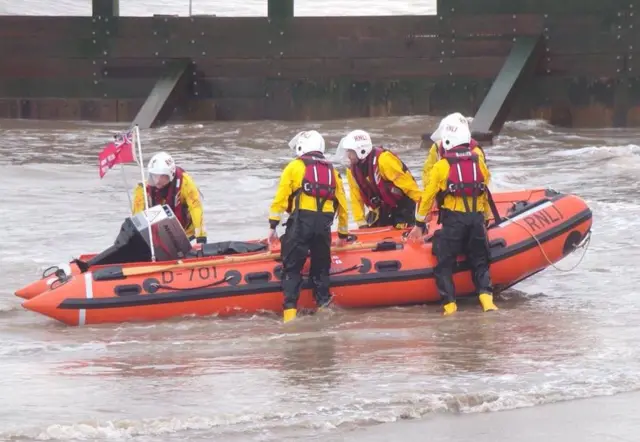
point(311, 191)
point(459, 183)
point(379, 180)
point(436, 150)
point(174, 187)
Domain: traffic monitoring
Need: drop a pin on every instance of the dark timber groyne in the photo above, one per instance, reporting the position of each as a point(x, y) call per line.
point(569, 62)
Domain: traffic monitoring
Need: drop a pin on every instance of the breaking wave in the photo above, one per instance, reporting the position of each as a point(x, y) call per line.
point(325, 418)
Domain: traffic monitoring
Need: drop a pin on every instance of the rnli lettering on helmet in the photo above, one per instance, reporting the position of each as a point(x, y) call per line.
point(360, 138)
point(449, 128)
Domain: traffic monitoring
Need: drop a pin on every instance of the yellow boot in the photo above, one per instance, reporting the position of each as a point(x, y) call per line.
point(486, 301)
point(289, 315)
point(450, 308)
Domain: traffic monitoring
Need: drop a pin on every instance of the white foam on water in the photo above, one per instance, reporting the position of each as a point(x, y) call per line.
point(26, 348)
point(601, 152)
point(528, 125)
point(8, 306)
point(326, 418)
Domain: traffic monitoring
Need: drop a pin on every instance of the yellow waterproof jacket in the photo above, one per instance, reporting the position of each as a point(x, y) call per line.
point(189, 197)
point(437, 182)
point(391, 169)
point(433, 157)
point(291, 181)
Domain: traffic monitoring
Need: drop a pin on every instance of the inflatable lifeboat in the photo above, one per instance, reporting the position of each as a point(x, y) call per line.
point(536, 229)
point(51, 275)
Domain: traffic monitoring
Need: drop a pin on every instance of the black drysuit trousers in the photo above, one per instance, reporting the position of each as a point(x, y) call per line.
point(403, 213)
point(307, 231)
point(461, 234)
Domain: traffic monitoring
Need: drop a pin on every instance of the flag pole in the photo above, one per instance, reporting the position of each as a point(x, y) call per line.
point(144, 190)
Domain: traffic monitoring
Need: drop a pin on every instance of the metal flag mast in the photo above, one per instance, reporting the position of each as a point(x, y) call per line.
point(144, 190)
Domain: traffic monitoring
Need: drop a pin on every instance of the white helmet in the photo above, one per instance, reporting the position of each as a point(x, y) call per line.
point(455, 133)
point(162, 164)
point(307, 141)
point(455, 119)
point(358, 141)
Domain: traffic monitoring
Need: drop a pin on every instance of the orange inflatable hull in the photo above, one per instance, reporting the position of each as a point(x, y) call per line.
point(48, 277)
point(541, 229)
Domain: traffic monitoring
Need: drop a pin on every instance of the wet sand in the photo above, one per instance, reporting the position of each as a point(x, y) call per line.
point(602, 419)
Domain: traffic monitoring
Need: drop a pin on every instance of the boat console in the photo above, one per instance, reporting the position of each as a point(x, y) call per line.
point(170, 241)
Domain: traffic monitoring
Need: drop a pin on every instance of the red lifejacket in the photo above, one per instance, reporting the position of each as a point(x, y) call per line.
point(465, 177)
point(318, 180)
point(375, 190)
point(472, 145)
point(171, 195)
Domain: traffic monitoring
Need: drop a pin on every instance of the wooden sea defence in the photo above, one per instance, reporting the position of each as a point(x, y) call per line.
point(581, 71)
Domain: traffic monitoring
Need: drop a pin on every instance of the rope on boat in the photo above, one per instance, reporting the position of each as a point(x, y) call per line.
point(584, 244)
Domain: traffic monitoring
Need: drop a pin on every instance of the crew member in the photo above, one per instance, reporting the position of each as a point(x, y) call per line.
point(173, 186)
point(379, 180)
point(459, 180)
point(311, 191)
point(435, 151)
